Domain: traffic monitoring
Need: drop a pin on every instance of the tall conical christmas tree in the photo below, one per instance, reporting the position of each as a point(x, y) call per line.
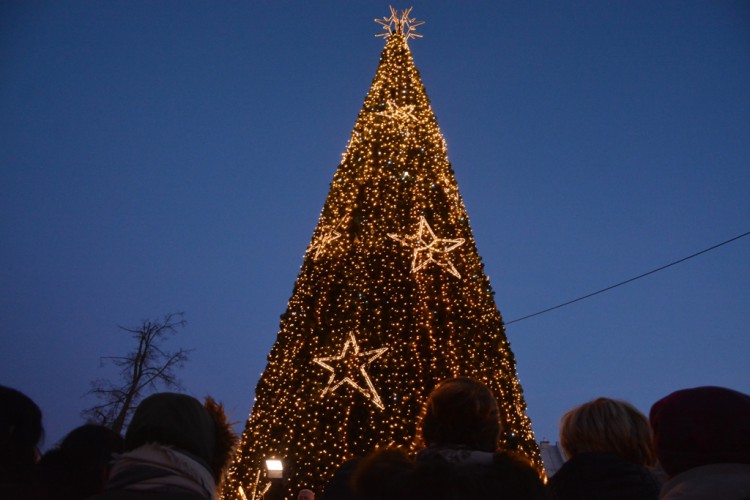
point(391, 299)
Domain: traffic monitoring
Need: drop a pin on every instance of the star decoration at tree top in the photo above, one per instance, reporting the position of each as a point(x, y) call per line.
point(429, 248)
point(403, 25)
point(327, 236)
point(349, 366)
point(400, 114)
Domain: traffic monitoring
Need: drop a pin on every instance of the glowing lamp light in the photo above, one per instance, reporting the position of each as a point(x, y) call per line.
point(275, 468)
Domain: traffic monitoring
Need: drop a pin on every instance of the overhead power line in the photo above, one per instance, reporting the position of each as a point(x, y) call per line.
point(628, 280)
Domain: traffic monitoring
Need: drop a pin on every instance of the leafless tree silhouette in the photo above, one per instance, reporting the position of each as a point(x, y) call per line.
point(144, 369)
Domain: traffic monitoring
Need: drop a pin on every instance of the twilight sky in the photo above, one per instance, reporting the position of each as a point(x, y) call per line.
point(173, 156)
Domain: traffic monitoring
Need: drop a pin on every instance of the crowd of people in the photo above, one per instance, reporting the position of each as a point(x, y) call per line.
point(695, 444)
point(175, 448)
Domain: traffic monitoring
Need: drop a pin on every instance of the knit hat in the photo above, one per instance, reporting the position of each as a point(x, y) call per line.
point(175, 420)
point(701, 426)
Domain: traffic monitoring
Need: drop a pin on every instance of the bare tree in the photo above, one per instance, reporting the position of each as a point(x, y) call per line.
point(145, 368)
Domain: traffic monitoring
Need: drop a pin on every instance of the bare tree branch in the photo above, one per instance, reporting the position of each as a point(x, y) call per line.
point(148, 366)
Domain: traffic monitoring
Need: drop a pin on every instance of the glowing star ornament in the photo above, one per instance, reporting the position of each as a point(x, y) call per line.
point(400, 114)
point(403, 25)
point(326, 238)
point(349, 366)
point(429, 248)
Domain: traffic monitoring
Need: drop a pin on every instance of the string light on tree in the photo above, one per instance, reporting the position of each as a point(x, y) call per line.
point(351, 365)
point(429, 248)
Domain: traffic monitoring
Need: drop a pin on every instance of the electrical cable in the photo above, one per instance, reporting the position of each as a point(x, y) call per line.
point(626, 281)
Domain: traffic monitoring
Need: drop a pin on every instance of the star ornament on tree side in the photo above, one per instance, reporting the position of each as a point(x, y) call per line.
point(402, 115)
point(350, 366)
point(429, 248)
point(328, 235)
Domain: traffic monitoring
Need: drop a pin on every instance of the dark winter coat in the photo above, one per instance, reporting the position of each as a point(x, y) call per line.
point(599, 476)
point(725, 481)
point(447, 471)
point(154, 472)
point(146, 495)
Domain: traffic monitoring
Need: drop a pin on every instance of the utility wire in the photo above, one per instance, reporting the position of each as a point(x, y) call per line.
point(627, 281)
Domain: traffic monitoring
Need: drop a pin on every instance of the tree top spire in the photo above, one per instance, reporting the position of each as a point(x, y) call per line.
point(400, 24)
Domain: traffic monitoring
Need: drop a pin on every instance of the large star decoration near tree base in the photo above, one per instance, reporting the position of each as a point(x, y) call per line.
point(349, 366)
point(429, 248)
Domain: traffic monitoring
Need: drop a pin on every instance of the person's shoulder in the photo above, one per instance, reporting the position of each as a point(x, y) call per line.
point(514, 473)
point(145, 495)
point(512, 459)
point(726, 481)
point(601, 475)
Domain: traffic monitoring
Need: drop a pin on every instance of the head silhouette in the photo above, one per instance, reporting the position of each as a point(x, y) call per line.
point(20, 430)
point(462, 412)
point(607, 426)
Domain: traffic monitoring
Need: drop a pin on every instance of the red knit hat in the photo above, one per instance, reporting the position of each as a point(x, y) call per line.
point(701, 426)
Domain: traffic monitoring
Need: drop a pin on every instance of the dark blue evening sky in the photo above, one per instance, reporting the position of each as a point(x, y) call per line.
point(174, 156)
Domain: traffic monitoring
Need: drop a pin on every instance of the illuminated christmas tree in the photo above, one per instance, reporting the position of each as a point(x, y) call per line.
point(391, 299)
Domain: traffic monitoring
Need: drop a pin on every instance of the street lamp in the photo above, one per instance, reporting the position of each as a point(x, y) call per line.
point(275, 470)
